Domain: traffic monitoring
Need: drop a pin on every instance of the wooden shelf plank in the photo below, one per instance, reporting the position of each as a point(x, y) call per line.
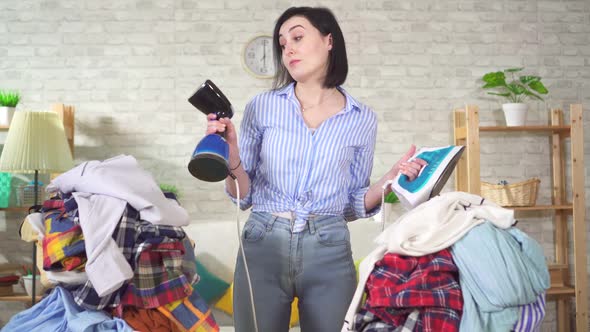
point(4, 128)
point(579, 217)
point(539, 207)
point(19, 298)
point(555, 266)
point(15, 209)
point(460, 133)
point(556, 292)
point(564, 128)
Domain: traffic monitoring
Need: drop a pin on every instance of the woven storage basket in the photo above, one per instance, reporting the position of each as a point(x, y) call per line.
point(515, 194)
point(26, 195)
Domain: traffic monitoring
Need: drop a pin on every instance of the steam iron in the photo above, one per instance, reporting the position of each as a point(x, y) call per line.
point(431, 179)
point(209, 161)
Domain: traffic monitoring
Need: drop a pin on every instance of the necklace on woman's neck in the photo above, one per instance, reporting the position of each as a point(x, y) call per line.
point(322, 100)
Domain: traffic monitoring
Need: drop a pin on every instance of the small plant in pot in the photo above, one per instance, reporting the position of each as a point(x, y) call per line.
point(516, 91)
point(8, 102)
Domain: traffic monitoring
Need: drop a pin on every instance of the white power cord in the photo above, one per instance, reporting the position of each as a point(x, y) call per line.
point(244, 255)
point(387, 183)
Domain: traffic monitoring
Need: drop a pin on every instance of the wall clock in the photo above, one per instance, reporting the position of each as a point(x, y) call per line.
point(257, 57)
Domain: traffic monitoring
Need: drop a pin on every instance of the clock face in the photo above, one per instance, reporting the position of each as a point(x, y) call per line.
point(258, 58)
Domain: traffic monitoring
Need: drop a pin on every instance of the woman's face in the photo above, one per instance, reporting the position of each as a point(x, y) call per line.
point(305, 50)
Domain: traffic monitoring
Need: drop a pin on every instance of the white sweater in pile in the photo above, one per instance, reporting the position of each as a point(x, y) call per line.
point(102, 190)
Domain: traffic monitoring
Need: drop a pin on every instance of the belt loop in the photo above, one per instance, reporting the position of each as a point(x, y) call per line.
point(311, 224)
point(271, 222)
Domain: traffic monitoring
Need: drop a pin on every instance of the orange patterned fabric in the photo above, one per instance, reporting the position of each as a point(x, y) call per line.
point(148, 320)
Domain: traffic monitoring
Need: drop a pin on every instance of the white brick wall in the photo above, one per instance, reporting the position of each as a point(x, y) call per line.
point(129, 66)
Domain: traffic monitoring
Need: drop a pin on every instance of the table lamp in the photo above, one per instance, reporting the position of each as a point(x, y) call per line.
point(36, 142)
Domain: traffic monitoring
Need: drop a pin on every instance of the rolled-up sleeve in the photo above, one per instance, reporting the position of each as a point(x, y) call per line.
point(249, 143)
point(361, 168)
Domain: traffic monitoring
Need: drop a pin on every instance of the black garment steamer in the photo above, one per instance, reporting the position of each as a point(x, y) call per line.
point(210, 160)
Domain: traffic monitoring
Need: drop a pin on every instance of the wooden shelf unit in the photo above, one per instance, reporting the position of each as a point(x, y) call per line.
point(66, 113)
point(17, 297)
point(467, 133)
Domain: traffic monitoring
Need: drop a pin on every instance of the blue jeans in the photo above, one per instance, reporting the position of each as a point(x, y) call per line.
point(315, 265)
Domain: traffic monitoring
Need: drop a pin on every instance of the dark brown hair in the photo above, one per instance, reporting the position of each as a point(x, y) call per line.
point(324, 20)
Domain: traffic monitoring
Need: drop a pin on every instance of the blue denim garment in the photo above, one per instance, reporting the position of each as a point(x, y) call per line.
point(58, 313)
point(314, 265)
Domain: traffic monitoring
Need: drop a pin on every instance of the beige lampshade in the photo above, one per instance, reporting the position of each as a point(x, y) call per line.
point(36, 141)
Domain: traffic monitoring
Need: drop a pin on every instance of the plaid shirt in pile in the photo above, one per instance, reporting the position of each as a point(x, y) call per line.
point(191, 314)
point(366, 321)
point(63, 243)
point(158, 278)
point(133, 236)
point(428, 283)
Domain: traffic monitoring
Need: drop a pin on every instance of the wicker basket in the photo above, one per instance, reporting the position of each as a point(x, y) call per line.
point(26, 195)
point(515, 194)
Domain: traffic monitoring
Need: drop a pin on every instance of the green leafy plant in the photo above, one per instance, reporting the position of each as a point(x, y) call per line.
point(170, 189)
point(391, 198)
point(517, 89)
point(9, 99)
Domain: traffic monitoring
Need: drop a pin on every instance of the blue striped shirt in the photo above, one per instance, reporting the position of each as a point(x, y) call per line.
point(294, 169)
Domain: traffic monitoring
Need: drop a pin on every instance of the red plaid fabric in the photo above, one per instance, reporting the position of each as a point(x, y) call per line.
point(158, 278)
point(428, 283)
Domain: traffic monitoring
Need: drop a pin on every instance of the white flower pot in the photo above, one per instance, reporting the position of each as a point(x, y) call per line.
point(6, 114)
point(27, 282)
point(515, 114)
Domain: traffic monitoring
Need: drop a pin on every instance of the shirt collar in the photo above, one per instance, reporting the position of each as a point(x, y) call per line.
point(288, 92)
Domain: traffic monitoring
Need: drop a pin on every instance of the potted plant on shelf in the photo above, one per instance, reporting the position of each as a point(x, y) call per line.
point(170, 188)
point(8, 101)
point(516, 91)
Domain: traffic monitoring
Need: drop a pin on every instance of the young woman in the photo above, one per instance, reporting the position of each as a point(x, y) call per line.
point(303, 164)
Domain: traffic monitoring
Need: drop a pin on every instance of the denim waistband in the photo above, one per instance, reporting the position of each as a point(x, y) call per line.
point(313, 222)
point(288, 215)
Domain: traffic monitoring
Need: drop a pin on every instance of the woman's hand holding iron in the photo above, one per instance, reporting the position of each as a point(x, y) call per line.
point(409, 168)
